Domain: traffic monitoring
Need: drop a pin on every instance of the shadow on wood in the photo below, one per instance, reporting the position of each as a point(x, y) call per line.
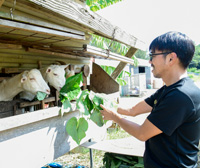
point(101, 82)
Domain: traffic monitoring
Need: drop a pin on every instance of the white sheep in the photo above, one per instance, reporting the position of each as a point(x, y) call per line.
point(31, 81)
point(54, 75)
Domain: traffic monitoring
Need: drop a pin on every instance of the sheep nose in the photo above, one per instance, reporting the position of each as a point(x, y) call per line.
point(48, 91)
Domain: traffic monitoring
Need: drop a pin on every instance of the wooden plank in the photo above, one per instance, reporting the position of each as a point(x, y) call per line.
point(54, 53)
point(37, 29)
point(121, 65)
point(10, 70)
point(98, 84)
point(77, 14)
point(10, 46)
point(126, 146)
point(28, 18)
point(43, 133)
point(26, 104)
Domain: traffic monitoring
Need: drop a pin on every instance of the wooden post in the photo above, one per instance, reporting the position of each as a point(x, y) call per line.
point(121, 65)
point(1, 2)
point(86, 72)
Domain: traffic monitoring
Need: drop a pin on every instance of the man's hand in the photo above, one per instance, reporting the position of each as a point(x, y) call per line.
point(108, 114)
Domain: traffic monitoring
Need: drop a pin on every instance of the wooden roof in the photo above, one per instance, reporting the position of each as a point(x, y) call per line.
point(57, 26)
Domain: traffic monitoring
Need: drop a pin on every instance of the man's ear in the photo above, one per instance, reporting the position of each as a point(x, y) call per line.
point(172, 57)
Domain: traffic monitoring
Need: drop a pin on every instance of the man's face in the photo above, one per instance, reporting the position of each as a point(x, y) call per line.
point(158, 63)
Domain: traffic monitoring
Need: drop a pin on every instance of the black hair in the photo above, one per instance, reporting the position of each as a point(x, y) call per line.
point(176, 42)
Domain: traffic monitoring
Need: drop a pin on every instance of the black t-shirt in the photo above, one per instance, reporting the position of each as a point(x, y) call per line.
point(176, 111)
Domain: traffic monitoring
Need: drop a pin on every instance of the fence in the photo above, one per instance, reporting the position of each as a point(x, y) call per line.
point(136, 84)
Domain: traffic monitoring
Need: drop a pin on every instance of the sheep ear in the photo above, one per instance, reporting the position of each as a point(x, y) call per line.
point(23, 79)
point(24, 76)
point(66, 66)
point(48, 70)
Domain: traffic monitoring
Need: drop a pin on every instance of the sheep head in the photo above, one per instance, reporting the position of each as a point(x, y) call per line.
point(32, 81)
point(55, 76)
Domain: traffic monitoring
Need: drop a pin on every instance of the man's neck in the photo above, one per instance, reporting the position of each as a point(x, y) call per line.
point(175, 77)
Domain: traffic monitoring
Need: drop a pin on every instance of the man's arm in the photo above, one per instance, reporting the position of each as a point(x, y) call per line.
point(140, 108)
point(142, 132)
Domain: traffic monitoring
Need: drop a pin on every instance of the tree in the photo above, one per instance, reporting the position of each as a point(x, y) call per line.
point(96, 5)
point(196, 59)
point(142, 54)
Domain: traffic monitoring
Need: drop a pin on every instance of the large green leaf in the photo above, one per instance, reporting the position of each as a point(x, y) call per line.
point(72, 83)
point(77, 128)
point(96, 117)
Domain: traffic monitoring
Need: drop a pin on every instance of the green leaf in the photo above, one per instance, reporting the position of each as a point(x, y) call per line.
point(82, 106)
point(96, 117)
point(77, 128)
point(82, 103)
point(41, 95)
point(72, 83)
point(67, 106)
point(89, 104)
point(97, 101)
point(73, 94)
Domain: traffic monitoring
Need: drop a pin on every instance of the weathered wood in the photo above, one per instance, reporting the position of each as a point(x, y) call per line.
point(101, 82)
point(28, 18)
point(121, 65)
point(78, 15)
point(26, 104)
point(106, 54)
point(34, 14)
point(38, 29)
point(10, 70)
point(1, 2)
point(54, 53)
point(10, 46)
point(86, 70)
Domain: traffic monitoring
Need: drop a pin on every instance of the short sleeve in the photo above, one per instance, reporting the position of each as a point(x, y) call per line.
point(171, 111)
point(150, 100)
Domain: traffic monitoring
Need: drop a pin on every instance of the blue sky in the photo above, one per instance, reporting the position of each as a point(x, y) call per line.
point(146, 19)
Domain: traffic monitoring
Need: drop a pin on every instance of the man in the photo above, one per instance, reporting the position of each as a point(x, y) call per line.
point(172, 130)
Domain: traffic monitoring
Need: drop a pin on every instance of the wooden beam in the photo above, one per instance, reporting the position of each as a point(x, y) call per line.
point(121, 65)
point(1, 2)
point(37, 29)
point(54, 53)
point(106, 54)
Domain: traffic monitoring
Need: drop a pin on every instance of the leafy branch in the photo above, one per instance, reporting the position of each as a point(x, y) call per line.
point(88, 104)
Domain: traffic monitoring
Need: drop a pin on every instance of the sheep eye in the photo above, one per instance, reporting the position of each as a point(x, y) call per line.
point(32, 79)
point(55, 74)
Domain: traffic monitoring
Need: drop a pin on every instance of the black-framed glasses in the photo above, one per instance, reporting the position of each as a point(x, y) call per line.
point(152, 55)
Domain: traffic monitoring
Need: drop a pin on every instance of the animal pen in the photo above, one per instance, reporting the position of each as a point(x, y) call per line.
point(35, 34)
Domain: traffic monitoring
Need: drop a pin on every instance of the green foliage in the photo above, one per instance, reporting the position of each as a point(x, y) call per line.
point(40, 96)
point(142, 54)
point(107, 44)
point(77, 128)
point(196, 59)
point(110, 69)
point(96, 5)
point(112, 160)
point(88, 103)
